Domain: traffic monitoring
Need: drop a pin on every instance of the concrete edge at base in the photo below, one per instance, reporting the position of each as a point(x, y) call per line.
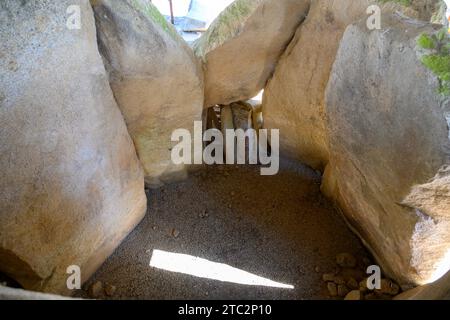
point(7, 293)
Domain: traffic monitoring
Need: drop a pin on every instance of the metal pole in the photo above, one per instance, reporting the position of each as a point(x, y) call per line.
point(172, 19)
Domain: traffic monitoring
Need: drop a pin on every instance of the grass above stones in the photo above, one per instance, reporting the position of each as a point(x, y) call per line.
point(226, 26)
point(153, 13)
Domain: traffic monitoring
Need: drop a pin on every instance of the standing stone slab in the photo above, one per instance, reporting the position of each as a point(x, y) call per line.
point(155, 77)
point(390, 149)
point(242, 46)
point(71, 185)
point(294, 98)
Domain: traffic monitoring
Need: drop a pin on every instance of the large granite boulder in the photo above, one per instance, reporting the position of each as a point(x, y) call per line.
point(155, 77)
point(294, 97)
point(242, 46)
point(389, 144)
point(71, 185)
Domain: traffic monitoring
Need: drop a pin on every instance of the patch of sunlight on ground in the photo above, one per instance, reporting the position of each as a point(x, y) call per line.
point(202, 268)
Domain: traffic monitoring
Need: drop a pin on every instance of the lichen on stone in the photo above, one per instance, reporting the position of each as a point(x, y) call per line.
point(226, 26)
point(402, 2)
point(147, 8)
point(440, 15)
point(433, 11)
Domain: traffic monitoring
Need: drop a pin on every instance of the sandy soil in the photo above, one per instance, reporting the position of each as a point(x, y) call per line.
point(279, 227)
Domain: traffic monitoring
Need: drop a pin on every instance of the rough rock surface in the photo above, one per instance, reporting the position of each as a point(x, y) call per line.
point(242, 46)
point(155, 77)
point(390, 149)
point(72, 187)
point(294, 97)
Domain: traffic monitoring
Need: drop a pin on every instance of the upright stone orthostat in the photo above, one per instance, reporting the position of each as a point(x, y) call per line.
point(242, 46)
point(390, 149)
point(155, 77)
point(294, 98)
point(71, 185)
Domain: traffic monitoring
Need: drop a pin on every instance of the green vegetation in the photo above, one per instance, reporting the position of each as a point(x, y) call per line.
point(153, 13)
point(438, 57)
point(402, 2)
point(425, 42)
point(226, 25)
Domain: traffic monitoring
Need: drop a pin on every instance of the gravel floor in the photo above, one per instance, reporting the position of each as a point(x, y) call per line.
point(278, 227)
